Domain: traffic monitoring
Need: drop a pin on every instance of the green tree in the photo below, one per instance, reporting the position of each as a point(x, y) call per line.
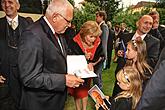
point(87, 12)
point(31, 6)
point(162, 15)
point(129, 17)
point(161, 9)
point(110, 6)
point(72, 2)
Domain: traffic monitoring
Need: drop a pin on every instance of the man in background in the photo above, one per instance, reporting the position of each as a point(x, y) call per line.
point(11, 27)
point(157, 30)
point(101, 16)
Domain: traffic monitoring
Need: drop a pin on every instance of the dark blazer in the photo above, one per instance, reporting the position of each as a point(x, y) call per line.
point(110, 47)
point(121, 104)
point(4, 56)
point(153, 97)
point(104, 37)
point(42, 67)
point(161, 58)
point(8, 63)
point(110, 41)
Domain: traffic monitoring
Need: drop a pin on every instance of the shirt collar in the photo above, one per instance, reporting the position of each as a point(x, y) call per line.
point(46, 20)
point(101, 23)
point(136, 35)
point(9, 19)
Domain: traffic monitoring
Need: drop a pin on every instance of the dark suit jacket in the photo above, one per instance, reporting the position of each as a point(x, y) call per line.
point(7, 68)
point(110, 41)
point(104, 37)
point(42, 68)
point(121, 104)
point(4, 56)
point(153, 97)
point(161, 58)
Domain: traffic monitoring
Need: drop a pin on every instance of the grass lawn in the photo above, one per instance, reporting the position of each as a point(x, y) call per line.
point(108, 83)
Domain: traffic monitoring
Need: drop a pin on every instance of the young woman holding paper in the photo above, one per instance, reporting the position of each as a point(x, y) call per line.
point(87, 42)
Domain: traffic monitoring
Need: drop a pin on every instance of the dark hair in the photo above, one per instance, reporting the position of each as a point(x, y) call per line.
point(153, 13)
point(102, 13)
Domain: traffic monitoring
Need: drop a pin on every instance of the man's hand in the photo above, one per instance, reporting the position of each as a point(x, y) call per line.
point(73, 81)
point(2, 79)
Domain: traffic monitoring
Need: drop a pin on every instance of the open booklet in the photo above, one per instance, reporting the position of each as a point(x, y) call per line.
point(77, 65)
point(99, 98)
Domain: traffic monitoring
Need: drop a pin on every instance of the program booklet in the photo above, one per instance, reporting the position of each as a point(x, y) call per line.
point(99, 98)
point(77, 65)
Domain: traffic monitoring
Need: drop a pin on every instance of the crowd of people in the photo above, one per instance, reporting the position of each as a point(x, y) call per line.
point(33, 65)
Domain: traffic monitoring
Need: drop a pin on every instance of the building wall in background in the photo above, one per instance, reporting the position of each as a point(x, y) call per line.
point(33, 16)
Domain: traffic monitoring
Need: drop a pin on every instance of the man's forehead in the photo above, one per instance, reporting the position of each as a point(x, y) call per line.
point(146, 18)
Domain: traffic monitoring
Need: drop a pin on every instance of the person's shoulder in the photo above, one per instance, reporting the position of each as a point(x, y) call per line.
point(2, 19)
point(127, 36)
point(161, 28)
point(124, 99)
point(151, 37)
point(104, 25)
point(122, 103)
point(23, 19)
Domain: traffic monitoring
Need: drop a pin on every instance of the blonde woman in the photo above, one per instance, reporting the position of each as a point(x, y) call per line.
point(88, 43)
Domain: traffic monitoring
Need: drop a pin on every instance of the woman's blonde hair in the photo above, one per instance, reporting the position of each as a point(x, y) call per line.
point(90, 28)
point(141, 64)
point(129, 75)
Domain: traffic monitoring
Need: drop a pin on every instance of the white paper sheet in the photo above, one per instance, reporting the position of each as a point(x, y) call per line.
point(77, 65)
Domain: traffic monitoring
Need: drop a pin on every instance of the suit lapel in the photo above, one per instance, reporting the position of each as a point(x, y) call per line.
point(50, 35)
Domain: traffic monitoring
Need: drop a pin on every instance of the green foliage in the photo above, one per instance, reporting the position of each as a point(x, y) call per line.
point(110, 6)
point(72, 2)
point(87, 12)
point(129, 17)
point(31, 6)
point(161, 9)
point(162, 15)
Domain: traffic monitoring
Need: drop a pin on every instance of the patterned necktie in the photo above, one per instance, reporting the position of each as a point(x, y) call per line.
point(14, 24)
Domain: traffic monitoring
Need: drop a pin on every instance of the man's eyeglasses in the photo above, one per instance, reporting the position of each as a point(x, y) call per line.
point(65, 19)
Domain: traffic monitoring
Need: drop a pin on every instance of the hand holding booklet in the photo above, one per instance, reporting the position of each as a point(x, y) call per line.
point(77, 65)
point(99, 98)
